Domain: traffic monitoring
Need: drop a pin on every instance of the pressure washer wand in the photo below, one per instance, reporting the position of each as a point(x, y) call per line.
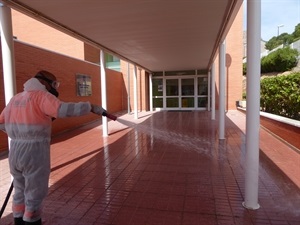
point(102, 112)
point(110, 116)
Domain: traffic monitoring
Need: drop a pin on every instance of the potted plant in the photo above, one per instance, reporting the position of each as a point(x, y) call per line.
point(242, 103)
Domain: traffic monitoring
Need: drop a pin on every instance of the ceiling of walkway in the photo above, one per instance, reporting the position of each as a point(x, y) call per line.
point(157, 35)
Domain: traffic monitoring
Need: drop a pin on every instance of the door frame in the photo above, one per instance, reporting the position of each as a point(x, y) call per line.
point(179, 96)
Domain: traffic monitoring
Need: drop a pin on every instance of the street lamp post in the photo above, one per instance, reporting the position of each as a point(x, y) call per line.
point(278, 26)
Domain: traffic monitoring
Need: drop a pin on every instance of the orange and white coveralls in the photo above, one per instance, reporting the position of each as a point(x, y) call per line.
point(27, 121)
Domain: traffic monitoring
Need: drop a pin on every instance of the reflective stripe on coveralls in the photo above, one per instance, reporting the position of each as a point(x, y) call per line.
point(18, 209)
point(28, 119)
point(32, 216)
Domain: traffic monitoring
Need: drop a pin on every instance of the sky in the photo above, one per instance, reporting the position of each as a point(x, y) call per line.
point(274, 13)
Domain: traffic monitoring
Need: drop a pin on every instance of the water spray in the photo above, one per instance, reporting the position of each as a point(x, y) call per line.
point(200, 145)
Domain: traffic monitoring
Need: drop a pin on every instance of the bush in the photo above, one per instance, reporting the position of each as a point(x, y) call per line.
point(244, 68)
point(282, 60)
point(281, 95)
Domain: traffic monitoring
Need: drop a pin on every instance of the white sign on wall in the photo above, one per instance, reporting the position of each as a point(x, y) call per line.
point(83, 85)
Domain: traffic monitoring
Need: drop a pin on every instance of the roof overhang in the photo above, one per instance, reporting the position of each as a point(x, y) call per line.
point(153, 34)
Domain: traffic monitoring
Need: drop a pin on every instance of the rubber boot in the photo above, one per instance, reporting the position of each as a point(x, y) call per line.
point(39, 222)
point(19, 221)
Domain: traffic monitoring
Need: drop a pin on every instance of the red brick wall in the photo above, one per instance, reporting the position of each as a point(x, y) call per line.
point(93, 55)
point(142, 87)
point(115, 86)
point(234, 64)
point(29, 59)
point(285, 131)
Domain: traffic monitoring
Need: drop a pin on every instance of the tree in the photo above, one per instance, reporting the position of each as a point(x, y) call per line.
point(281, 60)
point(272, 43)
point(283, 38)
point(296, 33)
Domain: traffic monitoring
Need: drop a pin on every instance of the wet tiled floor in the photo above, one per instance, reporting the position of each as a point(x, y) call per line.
point(166, 168)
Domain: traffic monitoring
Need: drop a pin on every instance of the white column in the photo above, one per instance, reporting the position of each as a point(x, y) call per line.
point(8, 56)
point(8, 60)
point(136, 116)
point(103, 92)
point(128, 87)
point(253, 104)
point(213, 92)
point(222, 91)
point(150, 92)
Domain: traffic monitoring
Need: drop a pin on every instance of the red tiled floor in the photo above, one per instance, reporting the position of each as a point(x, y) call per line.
point(166, 168)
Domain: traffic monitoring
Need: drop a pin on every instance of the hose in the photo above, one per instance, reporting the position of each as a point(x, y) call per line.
point(6, 199)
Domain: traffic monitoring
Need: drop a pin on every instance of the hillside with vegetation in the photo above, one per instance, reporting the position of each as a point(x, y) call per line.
point(283, 39)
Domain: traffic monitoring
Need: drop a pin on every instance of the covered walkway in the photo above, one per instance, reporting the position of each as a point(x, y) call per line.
point(166, 168)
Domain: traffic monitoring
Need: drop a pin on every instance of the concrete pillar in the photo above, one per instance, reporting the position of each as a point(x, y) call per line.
point(136, 116)
point(128, 87)
point(213, 92)
point(150, 93)
point(222, 91)
point(8, 56)
point(253, 104)
point(103, 92)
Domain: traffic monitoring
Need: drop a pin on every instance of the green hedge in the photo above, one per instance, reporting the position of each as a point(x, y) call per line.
point(280, 95)
point(281, 60)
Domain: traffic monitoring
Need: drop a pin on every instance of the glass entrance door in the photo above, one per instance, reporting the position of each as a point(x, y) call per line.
point(157, 89)
point(202, 98)
point(180, 93)
point(188, 93)
point(172, 93)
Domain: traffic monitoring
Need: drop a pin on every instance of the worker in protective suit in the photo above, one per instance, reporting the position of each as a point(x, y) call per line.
point(27, 121)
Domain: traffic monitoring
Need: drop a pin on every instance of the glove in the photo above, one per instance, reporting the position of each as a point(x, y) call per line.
point(98, 110)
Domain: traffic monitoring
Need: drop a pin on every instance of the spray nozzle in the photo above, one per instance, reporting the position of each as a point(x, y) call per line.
point(110, 116)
